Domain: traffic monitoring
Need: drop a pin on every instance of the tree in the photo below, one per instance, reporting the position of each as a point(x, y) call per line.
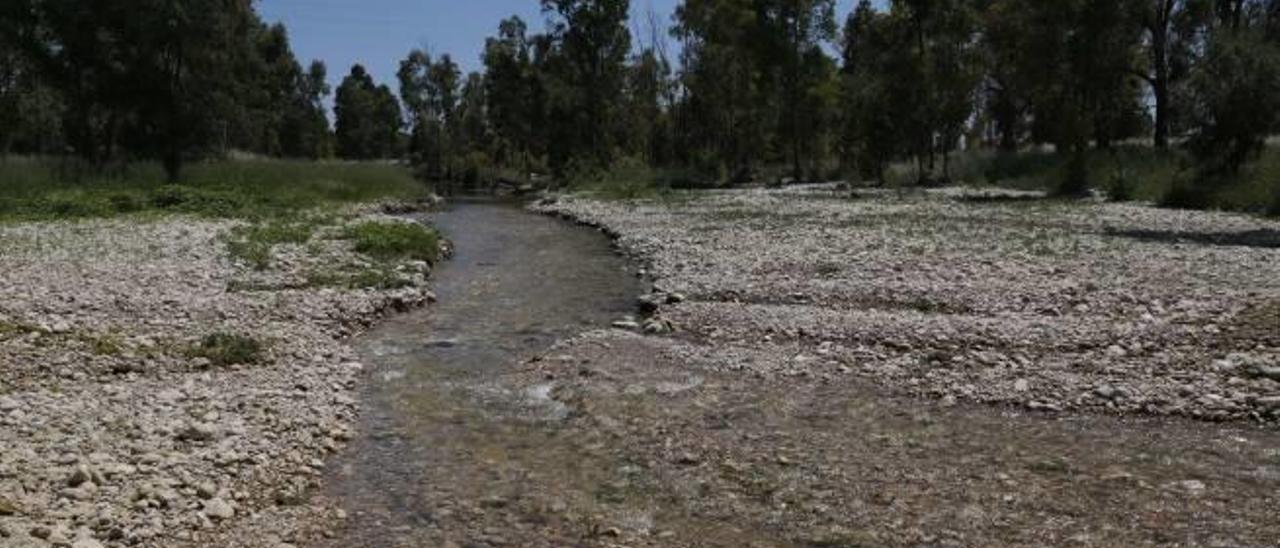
point(799, 28)
point(869, 136)
point(510, 91)
point(1172, 30)
point(1237, 96)
point(305, 128)
point(721, 119)
point(367, 117)
point(587, 76)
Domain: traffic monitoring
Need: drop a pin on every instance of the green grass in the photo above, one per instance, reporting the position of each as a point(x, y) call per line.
point(1126, 172)
point(387, 241)
point(252, 243)
point(223, 349)
point(44, 188)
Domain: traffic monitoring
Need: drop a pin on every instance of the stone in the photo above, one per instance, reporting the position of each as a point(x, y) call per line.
point(218, 509)
point(86, 542)
point(8, 507)
point(198, 431)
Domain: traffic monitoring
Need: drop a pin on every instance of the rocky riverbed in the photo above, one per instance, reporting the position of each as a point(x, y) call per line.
point(1002, 299)
point(123, 421)
point(900, 370)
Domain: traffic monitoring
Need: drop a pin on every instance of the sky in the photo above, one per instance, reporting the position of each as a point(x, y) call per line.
point(379, 33)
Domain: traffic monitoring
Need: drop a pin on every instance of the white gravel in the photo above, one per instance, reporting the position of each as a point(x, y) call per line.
point(1054, 306)
point(112, 435)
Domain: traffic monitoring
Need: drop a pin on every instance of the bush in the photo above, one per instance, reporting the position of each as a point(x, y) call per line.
point(395, 240)
point(223, 349)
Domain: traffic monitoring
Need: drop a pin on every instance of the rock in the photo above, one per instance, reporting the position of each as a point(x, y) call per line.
point(1266, 372)
point(1106, 392)
point(1269, 402)
point(198, 431)
point(688, 459)
point(206, 490)
point(8, 507)
point(1192, 487)
point(86, 542)
point(40, 532)
point(1022, 385)
point(626, 324)
point(8, 404)
point(218, 509)
point(78, 477)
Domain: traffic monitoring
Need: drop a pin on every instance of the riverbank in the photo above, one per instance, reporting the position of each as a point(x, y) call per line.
point(158, 390)
point(1009, 300)
point(924, 370)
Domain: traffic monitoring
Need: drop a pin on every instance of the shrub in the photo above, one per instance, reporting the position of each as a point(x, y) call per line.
point(223, 349)
point(395, 240)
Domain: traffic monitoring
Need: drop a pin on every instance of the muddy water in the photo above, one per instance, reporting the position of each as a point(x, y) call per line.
point(433, 423)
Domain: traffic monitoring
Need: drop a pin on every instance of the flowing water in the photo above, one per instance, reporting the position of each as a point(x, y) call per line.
point(476, 432)
point(517, 283)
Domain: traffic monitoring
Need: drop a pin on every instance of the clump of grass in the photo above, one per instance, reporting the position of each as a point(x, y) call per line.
point(395, 240)
point(11, 329)
point(252, 243)
point(106, 345)
point(223, 349)
point(38, 189)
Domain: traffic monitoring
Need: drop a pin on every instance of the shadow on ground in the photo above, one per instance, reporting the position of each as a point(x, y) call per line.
point(1262, 238)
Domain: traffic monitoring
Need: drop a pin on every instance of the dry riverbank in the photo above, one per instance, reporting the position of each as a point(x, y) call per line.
point(128, 415)
point(1040, 304)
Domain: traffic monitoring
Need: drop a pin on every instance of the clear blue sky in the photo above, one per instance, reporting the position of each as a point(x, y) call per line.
point(378, 33)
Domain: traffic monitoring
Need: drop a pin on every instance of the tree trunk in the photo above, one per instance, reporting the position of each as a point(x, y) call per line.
point(1160, 64)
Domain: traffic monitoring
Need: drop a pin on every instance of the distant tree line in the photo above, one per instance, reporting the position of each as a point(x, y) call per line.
point(110, 82)
point(779, 83)
point(758, 85)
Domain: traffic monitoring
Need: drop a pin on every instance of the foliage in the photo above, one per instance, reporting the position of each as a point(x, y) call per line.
point(110, 82)
point(367, 118)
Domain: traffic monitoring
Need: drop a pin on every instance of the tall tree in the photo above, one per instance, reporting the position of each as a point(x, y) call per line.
point(367, 117)
point(593, 43)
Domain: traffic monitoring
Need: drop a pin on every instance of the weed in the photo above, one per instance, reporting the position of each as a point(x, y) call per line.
point(223, 349)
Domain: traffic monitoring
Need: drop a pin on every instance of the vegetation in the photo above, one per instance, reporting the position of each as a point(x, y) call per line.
point(395, 240)
point(755, 96)
point(34, 188)
point(224, 349)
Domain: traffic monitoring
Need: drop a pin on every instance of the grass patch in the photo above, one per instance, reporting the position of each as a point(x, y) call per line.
point(10, 329)
point(387, 241)
point(223, 349)
point(33, 189)
point(252, 243)
point(1123, 173)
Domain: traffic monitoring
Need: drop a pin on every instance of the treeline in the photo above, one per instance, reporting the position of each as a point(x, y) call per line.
point(765, 84)
point(760, 89)
point(110, 82)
